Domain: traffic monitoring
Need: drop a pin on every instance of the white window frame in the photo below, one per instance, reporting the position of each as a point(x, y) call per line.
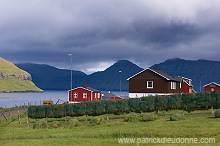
point(84, 95)
point(173, 85)
point(75, 95)
point(98, 95)
point(148, 87)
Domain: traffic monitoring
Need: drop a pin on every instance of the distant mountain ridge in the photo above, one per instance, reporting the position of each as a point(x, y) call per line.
point(51, 78)
point(200, 71)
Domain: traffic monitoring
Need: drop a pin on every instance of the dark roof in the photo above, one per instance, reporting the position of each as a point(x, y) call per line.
point(167, 76)
point(92, 89)
point(109, 94)
point(160, 73)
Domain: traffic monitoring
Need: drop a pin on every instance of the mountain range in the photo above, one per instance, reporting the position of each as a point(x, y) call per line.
point(50, 78)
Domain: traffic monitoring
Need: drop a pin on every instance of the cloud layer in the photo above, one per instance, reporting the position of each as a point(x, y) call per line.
point(101, 32)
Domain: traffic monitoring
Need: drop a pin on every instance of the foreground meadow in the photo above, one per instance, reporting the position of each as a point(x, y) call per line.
point(197, 124)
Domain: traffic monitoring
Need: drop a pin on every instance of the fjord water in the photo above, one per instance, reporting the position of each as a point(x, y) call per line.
point(19, 99)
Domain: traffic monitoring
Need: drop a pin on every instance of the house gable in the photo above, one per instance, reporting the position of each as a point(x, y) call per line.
point(212, 83)
point(148, 69)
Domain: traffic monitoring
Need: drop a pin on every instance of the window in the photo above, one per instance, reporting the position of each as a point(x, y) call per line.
point(84, 95)
point(98, 95)
point(75, 95)
point(173, 85)
point(180, 85)
point(150, 84)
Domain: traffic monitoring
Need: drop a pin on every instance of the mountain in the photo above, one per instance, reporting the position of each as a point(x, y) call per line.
point(200, 71)
point(110, 78)
point(13, 79)
point(51, 78)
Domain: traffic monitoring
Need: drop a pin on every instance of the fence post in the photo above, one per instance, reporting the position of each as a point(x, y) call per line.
point(19, 119)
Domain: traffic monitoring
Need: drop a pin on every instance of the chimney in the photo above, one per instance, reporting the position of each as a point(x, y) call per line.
point(157, 67)
point(85, 85)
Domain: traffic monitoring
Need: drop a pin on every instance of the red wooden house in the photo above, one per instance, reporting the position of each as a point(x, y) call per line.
point(81, 94)
point(213, 86)
point(154, 82)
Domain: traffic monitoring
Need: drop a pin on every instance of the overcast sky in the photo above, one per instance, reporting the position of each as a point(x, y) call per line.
point(100, 32)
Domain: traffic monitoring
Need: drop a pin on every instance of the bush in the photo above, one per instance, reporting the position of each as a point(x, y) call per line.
point(145, 117)
point(96, 121)
point(176, 117)
point(132, 117)
point(40, 125)
point(217, 114)
point(73, 123)
point(55, 124)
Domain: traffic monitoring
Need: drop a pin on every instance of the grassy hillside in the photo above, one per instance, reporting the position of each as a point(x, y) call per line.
point(197, 124)
point(10, 68)
point(13, 84)
point(14, 79)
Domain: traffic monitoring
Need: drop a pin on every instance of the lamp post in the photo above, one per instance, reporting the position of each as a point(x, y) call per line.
point(120, 79)
point(71, 71)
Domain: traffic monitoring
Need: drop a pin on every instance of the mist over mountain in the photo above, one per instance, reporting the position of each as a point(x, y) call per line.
point(51, 78)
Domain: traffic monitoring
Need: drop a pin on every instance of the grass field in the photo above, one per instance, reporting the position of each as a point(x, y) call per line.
point(197, 124)
point(13, 84)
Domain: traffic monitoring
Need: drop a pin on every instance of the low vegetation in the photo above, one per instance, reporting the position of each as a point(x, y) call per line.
point(97, 130)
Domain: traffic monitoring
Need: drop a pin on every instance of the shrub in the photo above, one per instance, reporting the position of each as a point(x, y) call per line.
point(96, 121)
point(147, 117)
point(132, 117)
point(55, 124)
point(40, 125)
point(217, 114)
point(176, 117)
point(73, 123)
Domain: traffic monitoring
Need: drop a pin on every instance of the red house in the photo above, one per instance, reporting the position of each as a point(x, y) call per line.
point(213, 86)
point(154, 82)
point(81, 94)
point(187, 86)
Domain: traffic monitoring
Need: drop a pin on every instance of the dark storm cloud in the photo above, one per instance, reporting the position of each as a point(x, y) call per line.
point(102, 32)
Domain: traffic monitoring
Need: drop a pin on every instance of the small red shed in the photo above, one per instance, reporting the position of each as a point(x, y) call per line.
point(81, 94)
point(213, 86)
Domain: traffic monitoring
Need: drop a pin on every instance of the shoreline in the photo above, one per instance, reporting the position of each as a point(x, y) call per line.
point(21, 91)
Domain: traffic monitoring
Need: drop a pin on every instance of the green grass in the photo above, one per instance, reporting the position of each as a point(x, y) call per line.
point(198, 124)
point(10, 68)
point(14, 84)
point(8, 81)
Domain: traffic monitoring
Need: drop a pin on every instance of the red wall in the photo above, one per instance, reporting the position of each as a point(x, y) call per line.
point(186, 88)
point(208, 88)
point(90, 95)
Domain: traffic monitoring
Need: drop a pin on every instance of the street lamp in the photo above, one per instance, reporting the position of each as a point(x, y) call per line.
point(120, 79)
point(71, 75)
